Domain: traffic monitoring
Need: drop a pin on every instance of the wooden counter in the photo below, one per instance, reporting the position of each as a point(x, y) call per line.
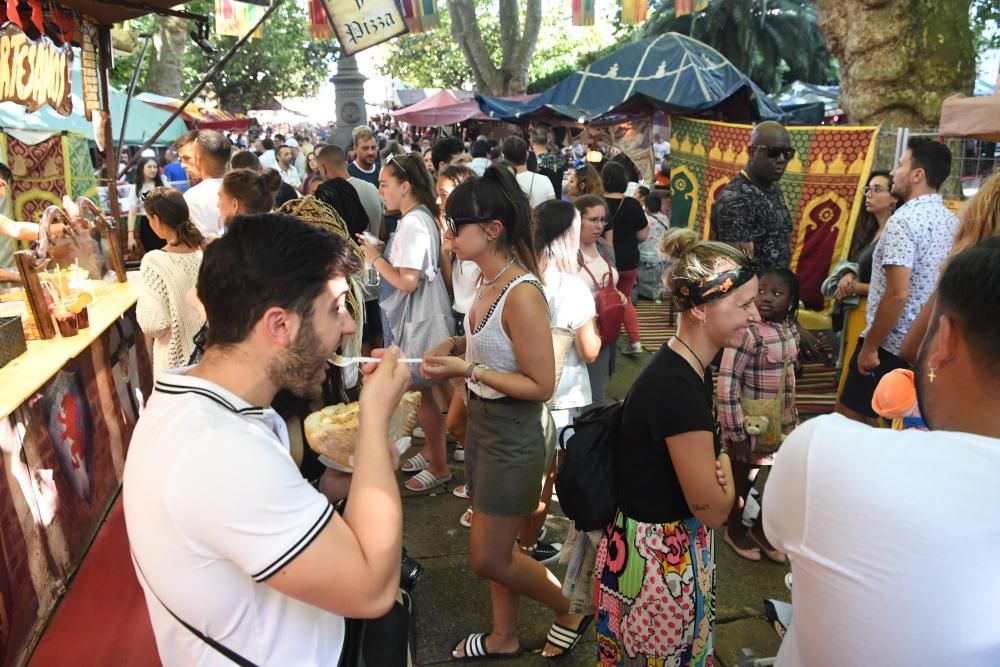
point(26, 374)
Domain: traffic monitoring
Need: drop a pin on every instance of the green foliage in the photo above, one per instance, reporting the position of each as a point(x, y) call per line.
point(985, 17)
point(285, 62)
point(774, 42)
point(435, 60)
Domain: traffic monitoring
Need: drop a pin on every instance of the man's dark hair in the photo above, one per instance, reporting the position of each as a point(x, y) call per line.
point(245, 160)
point(445, 149)
point(614, 177)
point(481, 148)
point(931, 156)
point(214, 146)
point(332, 156)
point(264, 261)
point(6, 174)
point(283, 147)
point(279, 137)
point(267, 144)
point(969, 291)
point(516, 150)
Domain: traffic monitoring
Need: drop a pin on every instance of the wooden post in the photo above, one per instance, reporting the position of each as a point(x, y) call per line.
point(34, 293)
point(107, 131)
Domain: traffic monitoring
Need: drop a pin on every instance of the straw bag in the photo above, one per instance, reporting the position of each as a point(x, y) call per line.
point(562, 343)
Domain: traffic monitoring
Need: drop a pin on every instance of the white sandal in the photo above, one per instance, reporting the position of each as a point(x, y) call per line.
point(415, 463)
point(461, 491)
point(466, 519)
point(425, 481)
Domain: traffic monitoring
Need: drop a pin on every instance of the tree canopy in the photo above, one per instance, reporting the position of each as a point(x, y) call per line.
point(284, 63)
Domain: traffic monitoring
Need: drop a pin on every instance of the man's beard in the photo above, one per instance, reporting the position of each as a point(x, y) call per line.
point(296, 369)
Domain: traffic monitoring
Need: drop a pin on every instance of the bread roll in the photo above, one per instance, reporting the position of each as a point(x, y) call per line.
point(333, 431)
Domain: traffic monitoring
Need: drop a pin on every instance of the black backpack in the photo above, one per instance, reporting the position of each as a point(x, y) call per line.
point(585, 482)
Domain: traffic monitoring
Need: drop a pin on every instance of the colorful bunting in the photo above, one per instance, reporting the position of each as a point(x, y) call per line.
point(634, 11)
point(236, 18)
point(319, 24)
point(420, 15)
point(583, 12)
point(685, 7)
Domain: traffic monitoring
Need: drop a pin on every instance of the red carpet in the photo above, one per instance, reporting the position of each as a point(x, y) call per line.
point(102, 620)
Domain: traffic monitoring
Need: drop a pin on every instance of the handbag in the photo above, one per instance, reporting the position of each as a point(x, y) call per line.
point(421, 319)
point(608, 302)
point(770, 438)
point(562, 343)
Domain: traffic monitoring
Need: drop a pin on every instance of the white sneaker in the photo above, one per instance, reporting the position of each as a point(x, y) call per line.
point(633, 348)
point(419, 433)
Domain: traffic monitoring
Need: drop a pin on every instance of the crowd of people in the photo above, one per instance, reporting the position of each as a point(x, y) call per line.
point(511, 272)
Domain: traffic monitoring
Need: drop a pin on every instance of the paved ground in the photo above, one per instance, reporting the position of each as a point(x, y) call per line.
point(451, 602)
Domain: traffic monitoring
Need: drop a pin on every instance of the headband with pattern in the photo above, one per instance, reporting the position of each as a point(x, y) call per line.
point(711, 287)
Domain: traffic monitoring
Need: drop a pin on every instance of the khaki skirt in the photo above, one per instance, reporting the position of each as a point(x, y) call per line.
point(510, 447)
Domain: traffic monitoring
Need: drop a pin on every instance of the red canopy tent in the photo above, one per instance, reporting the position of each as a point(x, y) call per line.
point(444, 108)
point(196, 116)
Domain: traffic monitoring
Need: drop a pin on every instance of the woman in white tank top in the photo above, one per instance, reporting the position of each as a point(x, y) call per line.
point(510, 371)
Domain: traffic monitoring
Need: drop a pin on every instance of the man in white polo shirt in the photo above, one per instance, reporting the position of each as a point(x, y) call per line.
point(893, 535)
point(227, 537)
point(205, 155)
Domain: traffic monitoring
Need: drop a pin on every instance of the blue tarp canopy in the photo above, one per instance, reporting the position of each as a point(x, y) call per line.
point(670, 72)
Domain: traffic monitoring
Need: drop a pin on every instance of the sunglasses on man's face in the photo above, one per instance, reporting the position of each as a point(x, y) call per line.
point(774, 151)
point(455, 223)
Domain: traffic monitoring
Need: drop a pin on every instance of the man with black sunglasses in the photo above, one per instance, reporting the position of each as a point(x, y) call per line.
point(750, 210)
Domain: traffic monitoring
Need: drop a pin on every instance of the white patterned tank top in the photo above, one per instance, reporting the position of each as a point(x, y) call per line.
point(489, 344)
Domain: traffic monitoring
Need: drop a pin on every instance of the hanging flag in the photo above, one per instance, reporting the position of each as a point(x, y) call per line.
point(634, 11)
point(583, 12)
point(236, 18)
point(411, 15)
point(319, 24)
point(427, 10)
point(685, 7)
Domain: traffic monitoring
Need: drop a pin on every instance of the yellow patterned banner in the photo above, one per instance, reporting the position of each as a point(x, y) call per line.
point(823, 186)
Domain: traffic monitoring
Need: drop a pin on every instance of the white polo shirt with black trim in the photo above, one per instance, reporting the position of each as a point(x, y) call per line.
point(214, 505)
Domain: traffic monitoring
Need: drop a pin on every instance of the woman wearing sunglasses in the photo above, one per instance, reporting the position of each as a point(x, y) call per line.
point(413, 296)
point(509, 369)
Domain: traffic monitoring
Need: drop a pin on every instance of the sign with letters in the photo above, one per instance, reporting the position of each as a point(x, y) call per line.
point(34, 72)
point(361, 24)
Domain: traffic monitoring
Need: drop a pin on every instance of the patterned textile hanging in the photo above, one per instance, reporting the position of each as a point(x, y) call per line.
point(583, 12)
point(634, 11)
point(685, 7)
point(319, 24)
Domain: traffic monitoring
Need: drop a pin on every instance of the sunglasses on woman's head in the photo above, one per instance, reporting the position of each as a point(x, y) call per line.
point(774, 151)
point(399, 162)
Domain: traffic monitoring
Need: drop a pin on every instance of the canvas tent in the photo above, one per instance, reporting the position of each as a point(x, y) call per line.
point(670, 72)
point(144, 119)
point(445, 111)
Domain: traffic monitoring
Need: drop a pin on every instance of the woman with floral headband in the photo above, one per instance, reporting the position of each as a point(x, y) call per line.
point(655, 566)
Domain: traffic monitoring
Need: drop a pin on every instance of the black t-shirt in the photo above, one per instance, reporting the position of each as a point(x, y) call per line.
point(667, 399)
point(626, 217)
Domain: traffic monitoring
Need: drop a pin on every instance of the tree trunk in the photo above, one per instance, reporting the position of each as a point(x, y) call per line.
point(517, 45)
point(166, 66)
point(899, 59)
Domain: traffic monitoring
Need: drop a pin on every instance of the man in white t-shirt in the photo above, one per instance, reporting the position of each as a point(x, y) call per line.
point(204, 155)
point(661, 148)
point(286, 167)
point(225, 532)
point(893, 535)
point(537, 186)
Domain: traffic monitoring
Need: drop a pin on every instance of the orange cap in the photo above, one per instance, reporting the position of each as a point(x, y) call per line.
point(896, 394)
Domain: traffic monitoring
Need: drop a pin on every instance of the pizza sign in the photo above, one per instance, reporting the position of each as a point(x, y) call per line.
point(34, 72)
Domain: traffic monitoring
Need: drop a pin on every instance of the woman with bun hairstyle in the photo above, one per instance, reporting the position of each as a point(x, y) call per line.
point(674, 484)
point(412, 270)
point(166, 276)
point(245, 191)
point(507, 360)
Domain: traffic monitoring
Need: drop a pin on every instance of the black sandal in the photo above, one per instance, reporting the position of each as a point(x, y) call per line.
point(475, 649)
point(566, 638)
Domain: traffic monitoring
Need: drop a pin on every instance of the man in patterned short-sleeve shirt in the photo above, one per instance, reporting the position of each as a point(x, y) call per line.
point(750, 211)
point(908, 258)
